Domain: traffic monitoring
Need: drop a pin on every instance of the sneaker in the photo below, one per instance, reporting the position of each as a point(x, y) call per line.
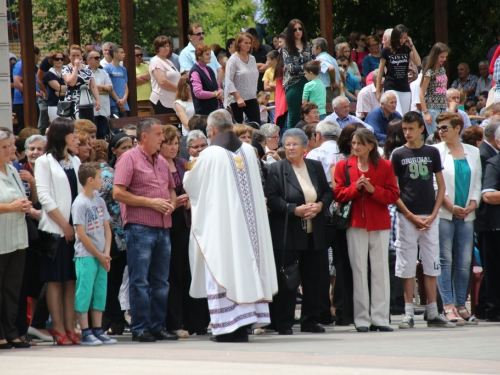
point(407, 322)
point(105, 339)
point(90, 340)
point(440, 322)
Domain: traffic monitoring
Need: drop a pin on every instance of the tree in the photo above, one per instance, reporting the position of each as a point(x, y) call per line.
point(152, 18)
point(469, 38)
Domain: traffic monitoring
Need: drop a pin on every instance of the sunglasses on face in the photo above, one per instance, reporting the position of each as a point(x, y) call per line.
point(139, 55)
point(362, 39)
point(94, 57)
point(58, 59)
point(199, 34)
point(444, 128)
point(298, 29)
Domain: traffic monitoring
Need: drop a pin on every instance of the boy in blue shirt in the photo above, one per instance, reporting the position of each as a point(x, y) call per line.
point(314, 90)
point(92, 260)
point(119, 79)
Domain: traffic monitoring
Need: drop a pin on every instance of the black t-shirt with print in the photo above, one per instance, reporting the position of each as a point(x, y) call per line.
point(414, 168)
point(396, 77)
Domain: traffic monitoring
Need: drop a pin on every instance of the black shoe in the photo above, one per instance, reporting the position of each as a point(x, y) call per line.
point(240, 335)
point(314, 328)
point(381, 328)
point(116, 329)
point(5, 346)
point(327, 320)
point(362, 329)
point(285, 331)
point(20, 344)
point(165, 336)
point(143, 336)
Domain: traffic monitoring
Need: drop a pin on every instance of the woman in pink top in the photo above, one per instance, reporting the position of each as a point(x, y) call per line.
point(164, 77)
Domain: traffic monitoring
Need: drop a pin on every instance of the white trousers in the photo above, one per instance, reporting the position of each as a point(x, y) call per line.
point(374, 308)
point(404, 101)
point(227, 316)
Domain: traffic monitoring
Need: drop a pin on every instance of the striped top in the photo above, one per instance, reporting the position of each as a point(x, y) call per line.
point(14, 233)
point(143, 178)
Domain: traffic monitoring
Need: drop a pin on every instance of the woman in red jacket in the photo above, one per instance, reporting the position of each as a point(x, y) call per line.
point(372, 188)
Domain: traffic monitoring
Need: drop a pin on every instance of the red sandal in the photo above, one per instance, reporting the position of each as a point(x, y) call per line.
point(63, 339)
point(73, 337)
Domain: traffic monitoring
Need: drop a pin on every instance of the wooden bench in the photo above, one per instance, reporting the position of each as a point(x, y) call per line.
point(167, 119)
point(352, 108)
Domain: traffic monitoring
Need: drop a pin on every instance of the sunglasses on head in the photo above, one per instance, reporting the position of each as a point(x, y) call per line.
point(298, 29)
point(58, 59)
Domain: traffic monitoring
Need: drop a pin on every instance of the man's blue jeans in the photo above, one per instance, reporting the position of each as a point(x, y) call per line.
point(116, 111)
point(148, 257)
point(456, 238)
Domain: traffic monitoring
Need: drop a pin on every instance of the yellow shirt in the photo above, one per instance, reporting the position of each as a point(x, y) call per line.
point(267, 77)
point(144, 90)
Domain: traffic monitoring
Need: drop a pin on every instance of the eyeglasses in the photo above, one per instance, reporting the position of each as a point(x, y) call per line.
point(362, 39)
point(373, 45)
point(275, 138)
point(444, 128)
point(199, 34)
point(202, 147)
point(58, 59)
point(298, 29)
point(292, 145)
point(139, 55)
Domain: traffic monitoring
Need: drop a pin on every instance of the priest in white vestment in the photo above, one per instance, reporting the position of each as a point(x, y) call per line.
point(231, 253)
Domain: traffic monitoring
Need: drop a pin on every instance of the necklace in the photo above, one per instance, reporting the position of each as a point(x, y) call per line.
point(362, 168)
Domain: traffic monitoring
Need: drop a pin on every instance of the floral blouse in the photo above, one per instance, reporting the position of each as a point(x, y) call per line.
point(106, 193)
point(294, 70)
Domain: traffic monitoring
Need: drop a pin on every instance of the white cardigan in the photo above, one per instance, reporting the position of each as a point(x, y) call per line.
point(54, 190)
point(474, 161)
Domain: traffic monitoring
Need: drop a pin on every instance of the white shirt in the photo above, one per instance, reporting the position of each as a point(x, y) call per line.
point(367, 100)
point(415, 93)
point(326, 154)
point(101, 77)
point(104, 63)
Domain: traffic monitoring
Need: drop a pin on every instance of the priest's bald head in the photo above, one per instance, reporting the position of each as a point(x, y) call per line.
point(219, 121)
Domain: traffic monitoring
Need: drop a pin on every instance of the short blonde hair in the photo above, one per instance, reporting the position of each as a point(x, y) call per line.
point(239, 130)
point(86, 126)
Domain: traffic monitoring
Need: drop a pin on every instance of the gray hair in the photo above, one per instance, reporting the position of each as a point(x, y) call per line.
point(258, 136)
point(296, 132)
point(220, 120)
point(328, 129)
point(4, 134)
point(336, 102)
point(483, 62)
point(193, 136)
point(34, 138)
point(269, 129)
point(375, 75)
point(106, 44)
point(320, 43)
point(145, 125)
point(491, 129)
point(449, 92)
point(497, 134)
point(387, 33)
point(385, 97)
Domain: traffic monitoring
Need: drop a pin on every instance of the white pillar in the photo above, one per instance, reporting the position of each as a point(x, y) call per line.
point(5, 99)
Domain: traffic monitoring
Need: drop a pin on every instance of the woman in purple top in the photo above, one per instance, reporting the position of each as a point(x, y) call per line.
point(205, 90)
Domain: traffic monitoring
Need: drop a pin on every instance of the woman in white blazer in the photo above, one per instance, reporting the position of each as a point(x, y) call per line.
point(462, 176)
point(56, 175)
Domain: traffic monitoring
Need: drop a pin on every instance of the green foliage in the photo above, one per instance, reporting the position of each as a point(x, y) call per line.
point(471, 26)
point(221, 19)
point(152, 18)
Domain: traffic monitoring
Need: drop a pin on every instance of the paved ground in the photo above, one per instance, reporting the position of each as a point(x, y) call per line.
point(341, 350)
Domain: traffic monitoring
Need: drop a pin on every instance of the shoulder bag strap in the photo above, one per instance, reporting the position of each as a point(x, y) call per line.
point(347, 175)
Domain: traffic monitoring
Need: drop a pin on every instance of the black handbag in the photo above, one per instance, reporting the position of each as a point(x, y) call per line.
point(341, 212)
point(291, 274)
point(65, 109)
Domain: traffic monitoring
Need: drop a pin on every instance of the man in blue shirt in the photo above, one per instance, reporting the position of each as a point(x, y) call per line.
point(187, 58)
point(341, 113)
point(18, 102)
point(329, 69)
point(119, 79)
point(380, 117)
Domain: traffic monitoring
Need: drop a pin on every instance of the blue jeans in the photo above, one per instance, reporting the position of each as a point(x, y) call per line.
point(148, 257)
point(434, 112)
point(116, 111)
point(271, 113)
point(456, 238)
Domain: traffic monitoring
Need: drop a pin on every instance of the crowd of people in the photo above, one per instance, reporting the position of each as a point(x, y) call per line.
point(228, 219)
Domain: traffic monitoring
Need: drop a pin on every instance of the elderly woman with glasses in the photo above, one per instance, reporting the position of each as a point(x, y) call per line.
point(13, 207)
point(196, 142)
point(271, 132)
point(462, 177)
point(297, 192)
